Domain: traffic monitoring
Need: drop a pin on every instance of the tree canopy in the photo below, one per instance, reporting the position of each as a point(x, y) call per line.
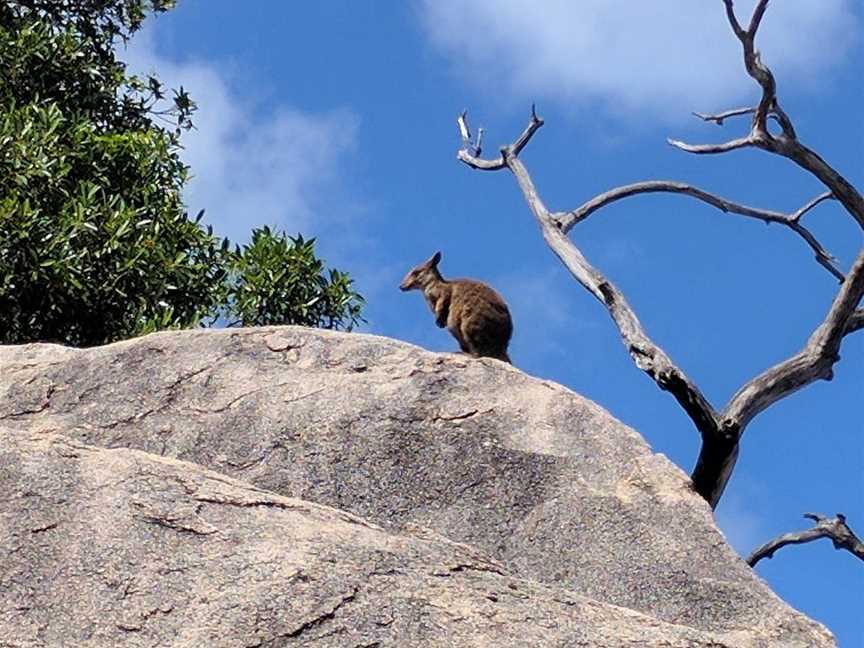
point(95, 241)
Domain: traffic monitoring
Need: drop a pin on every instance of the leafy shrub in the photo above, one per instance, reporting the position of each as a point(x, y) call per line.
point(95, 243)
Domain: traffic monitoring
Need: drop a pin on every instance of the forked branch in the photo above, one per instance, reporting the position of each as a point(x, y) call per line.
point(834, 528)
point(786, 144)
point(469, 153)
point(567, 220)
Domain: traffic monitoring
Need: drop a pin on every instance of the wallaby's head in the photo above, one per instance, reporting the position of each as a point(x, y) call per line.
point(422, 275)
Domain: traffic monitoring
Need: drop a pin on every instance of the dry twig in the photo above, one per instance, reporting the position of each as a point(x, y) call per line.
point(568, 219)
point(786, 144)
point(834, 528)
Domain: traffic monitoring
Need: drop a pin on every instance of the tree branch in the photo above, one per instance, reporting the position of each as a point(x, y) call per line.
point(813, 362)
point(467, 144)
point(756, 18)
point(787, 144)
point(475, 162)
point(834, 528)
point(755, 68)
point(733, 20)
point(567, 220)
point(718, 455)
point(809, 160)
point(775, 113)
point(721, 117)
point(810, 205)
point(708, 149)
point(533, 124)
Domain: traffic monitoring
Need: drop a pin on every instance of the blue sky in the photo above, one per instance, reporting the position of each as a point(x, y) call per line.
point(337, 119)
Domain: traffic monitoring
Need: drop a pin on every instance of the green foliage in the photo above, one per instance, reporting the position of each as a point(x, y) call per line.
point(95, 244)
point(62, 51)
point(277, 279)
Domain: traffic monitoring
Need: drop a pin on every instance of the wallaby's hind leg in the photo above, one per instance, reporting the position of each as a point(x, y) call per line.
point(460, 338)
point(494, 352)
point(483, 341)
point(469, 348)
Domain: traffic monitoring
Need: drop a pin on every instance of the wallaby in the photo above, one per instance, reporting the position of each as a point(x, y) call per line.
point(473, 312)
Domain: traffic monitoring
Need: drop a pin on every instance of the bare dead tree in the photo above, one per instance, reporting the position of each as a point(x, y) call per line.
point(834, 528)
point(720, 431)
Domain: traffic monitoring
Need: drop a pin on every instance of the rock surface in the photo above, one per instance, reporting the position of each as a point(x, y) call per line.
point(568, 505)
point(131, 549)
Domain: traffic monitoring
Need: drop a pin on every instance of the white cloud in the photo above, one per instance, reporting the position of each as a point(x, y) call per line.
point(251, 167)
point(665, 56)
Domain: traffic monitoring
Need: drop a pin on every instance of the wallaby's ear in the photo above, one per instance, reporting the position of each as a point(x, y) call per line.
point(435, 259)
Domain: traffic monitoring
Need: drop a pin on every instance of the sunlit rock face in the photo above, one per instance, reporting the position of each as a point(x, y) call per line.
point(283, 486)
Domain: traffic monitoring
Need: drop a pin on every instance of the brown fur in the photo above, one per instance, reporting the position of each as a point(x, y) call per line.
point(473, 312)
